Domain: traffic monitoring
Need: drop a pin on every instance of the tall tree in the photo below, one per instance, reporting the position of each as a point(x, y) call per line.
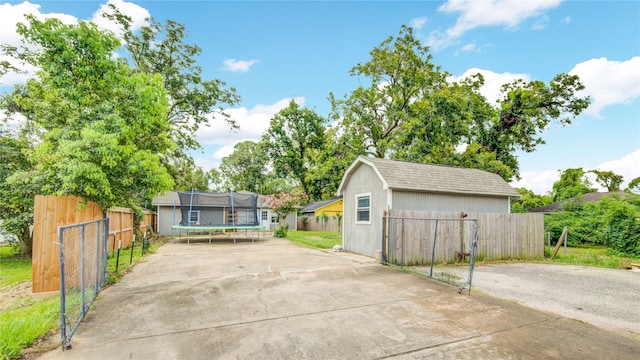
point(634, 185)
point(524, 113)
point(245, 168)
point(411, 110)
point(101, 125)
point(572, 182)
point(608, 179)
point(161, 49)
point(293, 134)
point(16, 199)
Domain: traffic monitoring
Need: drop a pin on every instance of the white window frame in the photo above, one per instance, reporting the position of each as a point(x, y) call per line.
point(357, 208)
point(197, 212)
point(264, 215)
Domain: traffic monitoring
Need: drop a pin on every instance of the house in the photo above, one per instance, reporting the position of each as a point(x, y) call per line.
point(331, 207)
point(588, 197)
point(370, 187)
point(170, 213)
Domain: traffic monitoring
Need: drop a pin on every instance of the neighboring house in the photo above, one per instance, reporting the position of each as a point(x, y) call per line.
point(371, 186)
point(169, 213)
point(331, 207)
point(588, 197)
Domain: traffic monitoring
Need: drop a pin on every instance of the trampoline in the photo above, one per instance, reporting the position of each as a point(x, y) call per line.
point(210, 213)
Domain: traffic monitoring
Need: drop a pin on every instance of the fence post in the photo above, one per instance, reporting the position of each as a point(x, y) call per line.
point(63, 321)
point(97, 284)
point(402, 246)
point(82, 270)
point(433, 248)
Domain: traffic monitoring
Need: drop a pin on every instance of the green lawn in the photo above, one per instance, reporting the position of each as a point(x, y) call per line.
point(589, 256)
point(13, 269)
point(318, 239)
point(24, 320)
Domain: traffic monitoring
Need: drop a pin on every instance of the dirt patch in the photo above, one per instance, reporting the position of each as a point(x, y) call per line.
point(12, 293)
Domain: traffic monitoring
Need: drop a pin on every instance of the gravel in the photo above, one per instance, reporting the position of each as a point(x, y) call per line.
point(606, 298)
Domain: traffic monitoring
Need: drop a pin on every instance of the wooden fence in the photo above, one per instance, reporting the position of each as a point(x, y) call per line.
point(500, 236)
point(331, 224)
point(51, 211)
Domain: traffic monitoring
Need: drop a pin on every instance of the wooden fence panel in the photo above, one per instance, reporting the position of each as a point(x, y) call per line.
point(312, 225)
point(501, 236)
point(51, 212)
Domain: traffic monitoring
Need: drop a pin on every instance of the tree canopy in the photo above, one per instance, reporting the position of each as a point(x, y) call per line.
point(410, 109)
point(100, 125)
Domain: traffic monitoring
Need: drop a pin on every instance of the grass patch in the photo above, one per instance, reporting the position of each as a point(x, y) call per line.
point(590, 256)
point(13, 268)
point(317, 239)
point(25, 321)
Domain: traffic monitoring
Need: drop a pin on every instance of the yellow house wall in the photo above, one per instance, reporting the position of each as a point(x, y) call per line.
point(331, 209)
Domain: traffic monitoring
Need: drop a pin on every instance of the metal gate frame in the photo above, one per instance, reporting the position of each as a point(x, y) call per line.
point(444, 276)
point(89, 272)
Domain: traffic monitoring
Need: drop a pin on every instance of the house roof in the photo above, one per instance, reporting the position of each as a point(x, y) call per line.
point(403, 175)
point(588, 197)
point(313, 206)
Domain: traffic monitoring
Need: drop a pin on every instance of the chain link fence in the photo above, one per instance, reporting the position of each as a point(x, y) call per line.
point(440, 248)
point(83, 271)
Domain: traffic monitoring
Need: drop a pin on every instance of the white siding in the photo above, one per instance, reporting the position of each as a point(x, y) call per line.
point(166, 218)
point(408, 200)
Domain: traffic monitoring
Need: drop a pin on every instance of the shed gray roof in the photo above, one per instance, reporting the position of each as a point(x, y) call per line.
point(403, 175)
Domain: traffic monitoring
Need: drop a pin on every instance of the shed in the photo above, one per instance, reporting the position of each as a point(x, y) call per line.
point(372, 186)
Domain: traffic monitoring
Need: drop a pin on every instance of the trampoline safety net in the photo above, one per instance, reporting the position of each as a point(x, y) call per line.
point(218, 209)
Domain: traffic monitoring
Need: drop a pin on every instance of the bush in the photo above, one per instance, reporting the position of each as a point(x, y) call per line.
point(281, 232)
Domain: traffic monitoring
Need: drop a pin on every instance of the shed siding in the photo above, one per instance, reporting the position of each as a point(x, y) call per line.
point(409, 200)
point(363, 238)
point(165, 219)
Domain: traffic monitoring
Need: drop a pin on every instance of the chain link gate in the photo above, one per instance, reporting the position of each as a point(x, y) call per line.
point(440, 248)
point(83, 271)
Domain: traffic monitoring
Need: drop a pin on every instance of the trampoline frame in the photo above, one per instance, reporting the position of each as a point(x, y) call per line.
point(222, 228)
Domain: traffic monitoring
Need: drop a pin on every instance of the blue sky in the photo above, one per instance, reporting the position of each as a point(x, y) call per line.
point(272, 51)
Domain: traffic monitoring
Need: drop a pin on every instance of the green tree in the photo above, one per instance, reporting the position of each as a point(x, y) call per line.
point(100, 125)
point(529, 200)
point(187, 176)
point(572, 182)
point(525, 111)
point(411, 110)
point(161, 49)
point(245, 168)
point(608, 179)
point(293, 135)
point(328, 165)
point(284, 204)
point(634, 185)
point(16, 199)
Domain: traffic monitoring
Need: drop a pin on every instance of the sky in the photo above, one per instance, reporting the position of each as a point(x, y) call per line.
point(273, 51)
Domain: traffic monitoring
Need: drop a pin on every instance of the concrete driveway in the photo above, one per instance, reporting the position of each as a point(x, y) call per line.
point(606, 298)
point(275, 300)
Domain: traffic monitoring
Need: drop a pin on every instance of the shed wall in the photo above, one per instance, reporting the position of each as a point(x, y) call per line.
point(165, 219)
point(363, 238)
point(411, 200)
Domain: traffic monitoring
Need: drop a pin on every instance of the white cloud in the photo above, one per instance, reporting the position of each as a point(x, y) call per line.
point(541, 182)
point(138, 14)
point(418, 23)
point(492, 81)
point(628, 166)
point(238, 65)
point(473, 14)
point(253, 123)
point(10, 16)
point(609, 82)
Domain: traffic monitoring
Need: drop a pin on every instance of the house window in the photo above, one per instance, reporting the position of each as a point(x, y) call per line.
point(363, 208)
point(194, 217)
point(274, 219)
point(265, 215)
